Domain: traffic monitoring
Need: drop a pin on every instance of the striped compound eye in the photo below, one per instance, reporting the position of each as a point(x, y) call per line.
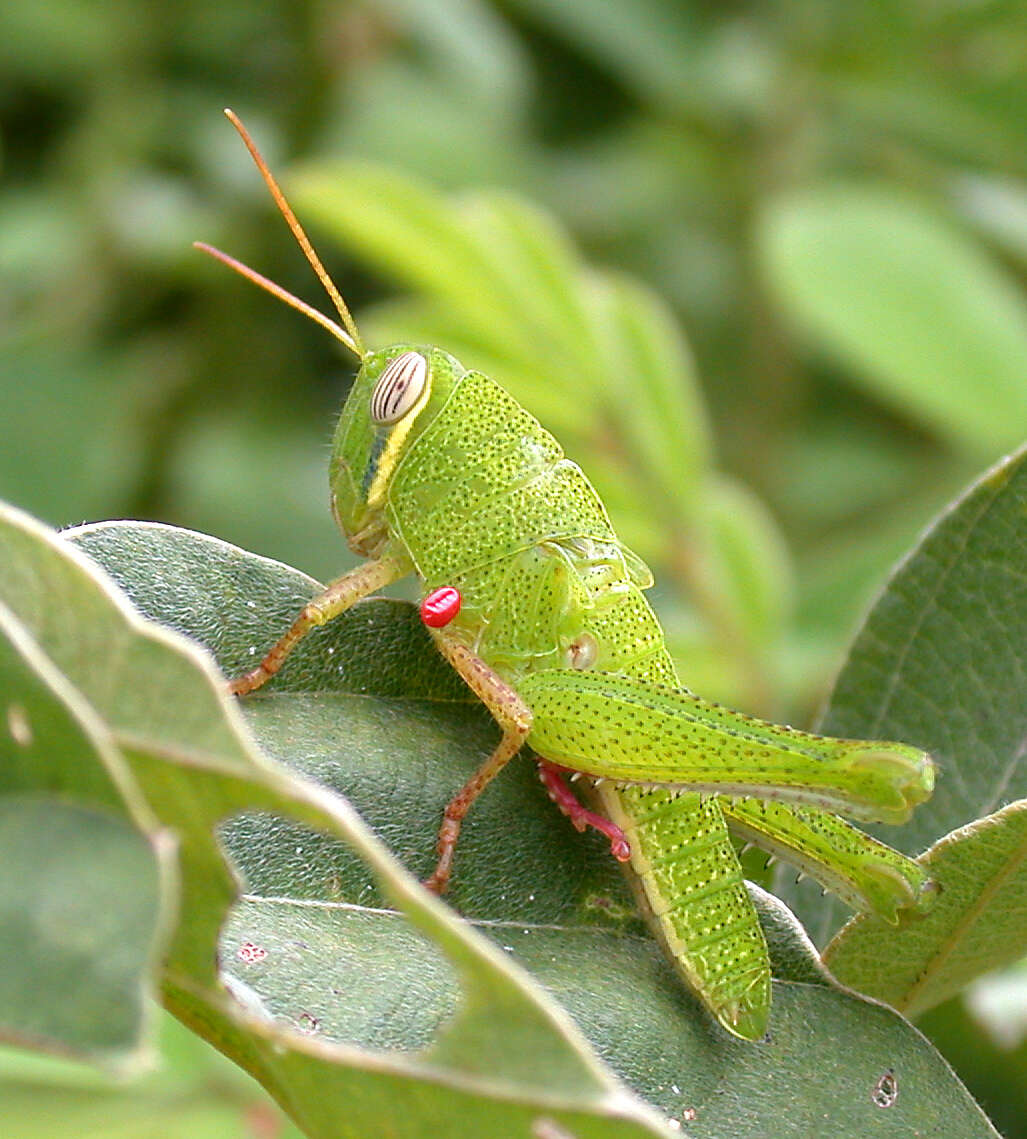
point(399, 387)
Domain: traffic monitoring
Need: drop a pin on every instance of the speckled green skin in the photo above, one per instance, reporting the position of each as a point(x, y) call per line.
point(475, 494)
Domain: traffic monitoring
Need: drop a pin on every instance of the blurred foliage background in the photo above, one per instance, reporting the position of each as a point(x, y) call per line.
point(829, 197)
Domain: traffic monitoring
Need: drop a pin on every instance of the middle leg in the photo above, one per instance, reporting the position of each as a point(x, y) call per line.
point(514, 717)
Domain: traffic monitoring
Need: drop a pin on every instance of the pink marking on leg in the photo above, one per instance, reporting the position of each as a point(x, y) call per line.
point(580, 817)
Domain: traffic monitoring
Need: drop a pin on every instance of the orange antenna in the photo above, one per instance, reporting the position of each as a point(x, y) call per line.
point(348, 333)
point(283, 295)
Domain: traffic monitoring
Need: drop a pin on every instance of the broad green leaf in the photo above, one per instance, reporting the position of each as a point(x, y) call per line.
point(939, 663)
point(749, 557)
point(505, 1055)
point(534, 263)
point(84, 895)
point(80, 904)
point(978, 924)
point(193, 1093)
point(914, 309)
point(653, 389)
point(995, 1066)
point(939, 660)
point(315, 944)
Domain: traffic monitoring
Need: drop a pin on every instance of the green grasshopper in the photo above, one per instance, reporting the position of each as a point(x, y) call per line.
point(437, 471)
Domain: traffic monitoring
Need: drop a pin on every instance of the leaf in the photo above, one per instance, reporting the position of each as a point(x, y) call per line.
point(506, 1054)
point(193, 1093)
point(315, 945)
point(653, 389)
point(996, 1068)
point(406, 226)
point(84, 894)
point(977, 925)
point(915, 310)
point(939, 663)
point(535, 268)
point(750, 559)
point(79, 913)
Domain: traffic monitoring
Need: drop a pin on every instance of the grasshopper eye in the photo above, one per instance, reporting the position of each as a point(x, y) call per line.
point(399, 387)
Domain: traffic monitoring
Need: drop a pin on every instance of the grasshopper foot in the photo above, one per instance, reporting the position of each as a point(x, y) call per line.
point(898, 892)
point(580, 817)
point(248, 682)
point(449, 832)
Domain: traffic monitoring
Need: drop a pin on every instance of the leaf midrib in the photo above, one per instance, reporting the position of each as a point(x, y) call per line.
point(478, 923)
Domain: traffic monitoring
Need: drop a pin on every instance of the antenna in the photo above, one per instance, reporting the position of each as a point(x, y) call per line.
point(347, 333)
point(282, 294)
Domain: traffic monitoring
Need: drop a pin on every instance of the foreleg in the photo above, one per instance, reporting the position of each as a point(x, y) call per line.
point(339, 596)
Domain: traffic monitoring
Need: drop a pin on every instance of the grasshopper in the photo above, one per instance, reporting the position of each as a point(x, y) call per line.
point(528, 593)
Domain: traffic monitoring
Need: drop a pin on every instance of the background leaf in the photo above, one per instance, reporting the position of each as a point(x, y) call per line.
point(85, 897)
point(939, 663)
point(908, 304)
point(979, 924)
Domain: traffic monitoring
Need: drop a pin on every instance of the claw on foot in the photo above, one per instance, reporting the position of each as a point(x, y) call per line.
point(581, 818)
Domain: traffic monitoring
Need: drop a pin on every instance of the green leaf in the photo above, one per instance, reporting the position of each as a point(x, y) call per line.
point(194, 1093)
point(507, 1053)
point(83, 895)
point(939, 659)
point(79, 913)
point(977, 925)
point(939, 663)
point(653, 389)
point(916, 311)
point(315, 944)
point(750, 559)
point(405, 226)
point(535, 268)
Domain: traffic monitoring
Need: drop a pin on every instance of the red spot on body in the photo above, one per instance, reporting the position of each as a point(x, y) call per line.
point(440, 607)
point(250, 953)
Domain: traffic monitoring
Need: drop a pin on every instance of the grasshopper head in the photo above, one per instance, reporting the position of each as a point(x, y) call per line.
point(396, 394)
